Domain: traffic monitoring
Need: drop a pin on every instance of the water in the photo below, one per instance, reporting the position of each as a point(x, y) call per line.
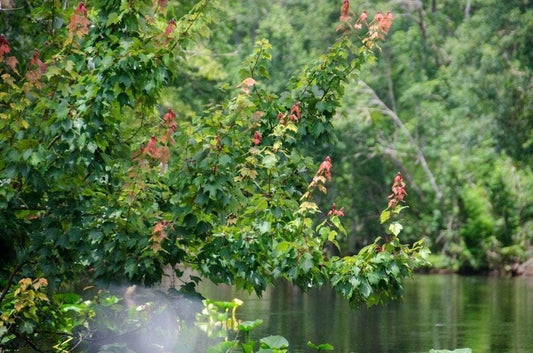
point(486, 314)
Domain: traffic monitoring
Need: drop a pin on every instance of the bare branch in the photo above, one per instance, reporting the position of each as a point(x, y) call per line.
point(420, 155)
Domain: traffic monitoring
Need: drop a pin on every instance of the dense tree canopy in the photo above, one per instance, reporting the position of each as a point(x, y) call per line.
point(106, 177)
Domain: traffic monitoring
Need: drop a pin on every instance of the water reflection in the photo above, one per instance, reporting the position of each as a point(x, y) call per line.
point(489, 315)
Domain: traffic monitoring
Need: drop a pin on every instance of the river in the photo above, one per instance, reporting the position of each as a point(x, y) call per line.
point(486, 314)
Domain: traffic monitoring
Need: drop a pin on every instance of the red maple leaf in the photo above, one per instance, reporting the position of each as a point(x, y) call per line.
point(4, 46)
point(79, 23)
point(345, 8)
point(35, 60)
point(170, 28)
point(257, 138)
point(12, 62)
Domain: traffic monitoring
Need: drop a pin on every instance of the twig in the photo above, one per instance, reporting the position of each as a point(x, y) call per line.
point(30, 343)
point(10, 280)
point(420, 156)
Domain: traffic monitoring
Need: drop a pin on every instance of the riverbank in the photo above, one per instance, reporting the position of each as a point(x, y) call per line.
point(443, 265)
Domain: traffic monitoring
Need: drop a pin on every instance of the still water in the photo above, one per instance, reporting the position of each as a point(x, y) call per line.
point(486, 314)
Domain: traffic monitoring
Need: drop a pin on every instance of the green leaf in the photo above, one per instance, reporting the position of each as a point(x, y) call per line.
point(365, 289)
point(395, 228)
point(269, 161)
point(249, 325)
point(276, 342)
point(264, 227)
point(320, 347)
point(459, 350)
point(384, 217)
point(283, 247)
point(306, 262)
point(222, 347)
point(67, 298)
point(248, 347)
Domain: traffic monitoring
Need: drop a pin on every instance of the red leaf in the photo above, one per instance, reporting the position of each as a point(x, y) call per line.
point(4, 46)
point(345, 8)
point(257, 138)
point(79, 25)
point(81, 9)
point(296, 110)
point(12, 62)
point(170, 28)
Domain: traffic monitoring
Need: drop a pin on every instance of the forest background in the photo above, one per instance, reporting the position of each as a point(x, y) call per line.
point(448, 103)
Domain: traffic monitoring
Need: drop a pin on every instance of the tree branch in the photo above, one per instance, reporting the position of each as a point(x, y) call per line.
point(420, 155)
point(10, 280)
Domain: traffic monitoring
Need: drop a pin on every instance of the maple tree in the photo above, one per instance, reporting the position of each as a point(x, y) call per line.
point(101, 182)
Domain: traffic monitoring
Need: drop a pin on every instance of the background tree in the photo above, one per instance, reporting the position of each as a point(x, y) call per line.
point(447, 105)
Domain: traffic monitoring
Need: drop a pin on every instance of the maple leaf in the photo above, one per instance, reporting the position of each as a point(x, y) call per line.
point(164, 154)
point(33, 75)
point(79, 25)
point(170, 28)
point(35, 60)
point(151, 148)
point(363, 16)
point(325, 168)
point(257, 138)
point(345, 8)
point(81, 9)
point(169, 116)
point(4, 46)
point(296, 110)
point(12, 62)
point(246, 84)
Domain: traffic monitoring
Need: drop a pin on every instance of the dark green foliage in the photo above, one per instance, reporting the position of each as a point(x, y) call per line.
point(103, 183)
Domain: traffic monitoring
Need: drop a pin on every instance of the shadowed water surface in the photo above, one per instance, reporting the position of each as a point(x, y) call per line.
point(439, 311)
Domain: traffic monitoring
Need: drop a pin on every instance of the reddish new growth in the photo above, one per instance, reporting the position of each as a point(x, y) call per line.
point(322, 175)
point(377, 28)
point(169, 121)
point(246, 84)
point(11, 61)
point(363, 16)
point(151, 148)
point(295, 110)
point(4, 46)
point(34, 75)
point(35, 60)
point(170, 28)
point(335, 212)
point(325, 168)
point(345, 9)
point(384, 22)
point(257, 138)
point(158, 235)
point(398, 191)
point(79, 24)
point(294, 114)
point(157, 147)
point(81, 10)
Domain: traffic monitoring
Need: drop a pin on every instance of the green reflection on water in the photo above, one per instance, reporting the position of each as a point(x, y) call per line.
point(489, 315)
